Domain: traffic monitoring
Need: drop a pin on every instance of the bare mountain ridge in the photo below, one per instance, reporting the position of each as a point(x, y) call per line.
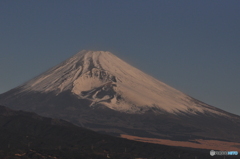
point(97, 90)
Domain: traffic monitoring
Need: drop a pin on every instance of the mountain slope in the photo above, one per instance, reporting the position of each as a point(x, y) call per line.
point(27, 135)
point(104, 78)
point(97, 90)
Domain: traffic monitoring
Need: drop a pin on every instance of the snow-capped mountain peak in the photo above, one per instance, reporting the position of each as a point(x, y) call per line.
point(103, 78)
point(97, 90)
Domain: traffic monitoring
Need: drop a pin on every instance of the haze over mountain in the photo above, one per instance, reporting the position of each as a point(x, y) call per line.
point(97, 90)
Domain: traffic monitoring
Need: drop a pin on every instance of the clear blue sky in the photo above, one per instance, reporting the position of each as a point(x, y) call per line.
point(193, 46)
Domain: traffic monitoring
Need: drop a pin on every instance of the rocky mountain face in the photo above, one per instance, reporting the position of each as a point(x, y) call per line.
point(97, 90)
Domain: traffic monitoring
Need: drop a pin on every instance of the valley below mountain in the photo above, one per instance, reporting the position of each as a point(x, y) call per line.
point(26, 135)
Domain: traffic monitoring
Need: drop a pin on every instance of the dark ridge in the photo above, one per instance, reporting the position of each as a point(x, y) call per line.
point(69, 107)
point(25, 135)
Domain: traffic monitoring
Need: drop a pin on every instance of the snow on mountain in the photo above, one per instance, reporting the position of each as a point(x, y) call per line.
point(105, 79)
point(99, 91)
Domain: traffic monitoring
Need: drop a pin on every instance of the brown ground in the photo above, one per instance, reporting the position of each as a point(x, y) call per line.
point(201, 144)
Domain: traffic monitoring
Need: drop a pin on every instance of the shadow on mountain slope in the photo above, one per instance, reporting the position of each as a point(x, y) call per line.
point(25, 135)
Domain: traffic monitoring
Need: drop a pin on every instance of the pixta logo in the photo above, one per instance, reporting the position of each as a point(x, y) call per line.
point(213, 153)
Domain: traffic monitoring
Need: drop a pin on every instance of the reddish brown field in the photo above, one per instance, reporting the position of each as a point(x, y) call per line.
point(200, 144)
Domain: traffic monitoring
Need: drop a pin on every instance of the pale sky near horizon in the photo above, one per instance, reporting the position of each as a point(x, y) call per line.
point(193, 46)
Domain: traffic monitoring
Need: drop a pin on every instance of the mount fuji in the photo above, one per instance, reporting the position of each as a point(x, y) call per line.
point(99, 91)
